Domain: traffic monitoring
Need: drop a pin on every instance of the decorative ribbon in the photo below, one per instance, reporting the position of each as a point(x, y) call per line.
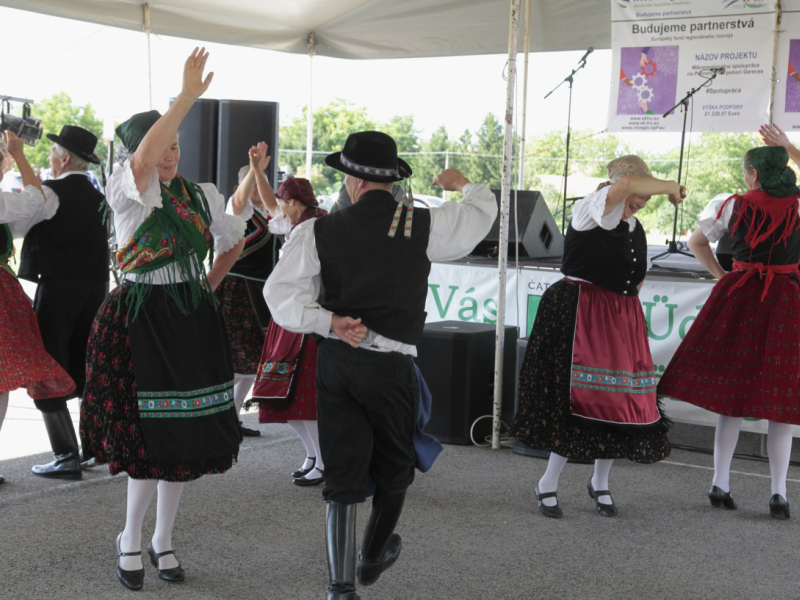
point(368, 170)
point(408, 202)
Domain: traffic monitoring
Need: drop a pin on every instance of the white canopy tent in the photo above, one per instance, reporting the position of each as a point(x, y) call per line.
point(357, 29)
point(371, 29)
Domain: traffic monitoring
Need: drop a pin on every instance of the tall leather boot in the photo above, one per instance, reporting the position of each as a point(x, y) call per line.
point(340, 533)
point(381, 545)
point(67, 463)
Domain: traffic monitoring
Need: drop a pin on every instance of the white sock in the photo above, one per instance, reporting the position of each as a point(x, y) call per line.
point(602, 467)
point(140, 493)
point(313, 434)
point(549, 481)
point(169, 497)
point(300, 428)
point(779, 448)
point(725, 439)
point(241, 387)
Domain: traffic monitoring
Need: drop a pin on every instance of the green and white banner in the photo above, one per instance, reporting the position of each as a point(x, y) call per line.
point(469, 293)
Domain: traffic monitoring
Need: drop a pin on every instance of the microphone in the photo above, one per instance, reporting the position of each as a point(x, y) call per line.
point(717, 70)
point(588, 52)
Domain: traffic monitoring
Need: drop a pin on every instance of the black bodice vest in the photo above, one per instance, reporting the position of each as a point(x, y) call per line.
point(767, 252)
point(260, 250)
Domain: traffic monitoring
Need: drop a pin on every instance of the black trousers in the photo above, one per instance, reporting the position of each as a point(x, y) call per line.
point(65, 310)
point(367, 405)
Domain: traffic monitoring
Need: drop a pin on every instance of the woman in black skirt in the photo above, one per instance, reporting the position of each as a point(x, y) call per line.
point(159, 393)
point(587, 384)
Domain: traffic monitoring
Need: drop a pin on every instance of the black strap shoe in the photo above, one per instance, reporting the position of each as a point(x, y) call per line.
point(554, 512)
point(719, 498)
point(133, 580)
point(300, 472)
point(247, 432)
point(304, 482)
point(778, 507)
point(174, 574)
point(604, 510)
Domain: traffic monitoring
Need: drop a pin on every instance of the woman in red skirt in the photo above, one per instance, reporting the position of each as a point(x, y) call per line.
point(741, 357)
point(587, 384)
point(286, 382)
point(23, 360)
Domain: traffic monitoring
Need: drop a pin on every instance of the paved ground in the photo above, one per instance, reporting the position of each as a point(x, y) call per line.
point(470, 530)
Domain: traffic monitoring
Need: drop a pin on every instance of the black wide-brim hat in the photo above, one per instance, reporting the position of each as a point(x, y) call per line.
point(77, 140)
point(372, 156)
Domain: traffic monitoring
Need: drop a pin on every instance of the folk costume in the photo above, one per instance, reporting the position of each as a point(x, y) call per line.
point(242, 302)
point(286, 382)
point(587, 383)
point(372, 259)
point(65, 253)
point(24, 361)
point(159, 400)
point(740, 358)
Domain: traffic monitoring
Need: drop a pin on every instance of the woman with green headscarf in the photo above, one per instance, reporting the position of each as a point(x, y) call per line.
point(159, 393)
point(741, 357)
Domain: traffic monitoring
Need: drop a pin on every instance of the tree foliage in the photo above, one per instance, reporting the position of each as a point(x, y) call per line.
point(55, 112)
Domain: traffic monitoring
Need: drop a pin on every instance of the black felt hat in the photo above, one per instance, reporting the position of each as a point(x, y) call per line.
point(77, 140)
point(372, 156)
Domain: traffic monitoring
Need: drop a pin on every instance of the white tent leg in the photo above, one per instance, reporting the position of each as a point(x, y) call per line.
point(310, 111)
point(774, 77)
point(147, 30)
point(521, 179)
point(508, 151)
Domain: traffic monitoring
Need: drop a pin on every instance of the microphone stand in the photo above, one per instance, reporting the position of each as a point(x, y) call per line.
point(568, 79)
point(672, 246)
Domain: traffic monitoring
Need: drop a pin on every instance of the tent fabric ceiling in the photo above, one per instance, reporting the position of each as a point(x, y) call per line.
point(355, 29)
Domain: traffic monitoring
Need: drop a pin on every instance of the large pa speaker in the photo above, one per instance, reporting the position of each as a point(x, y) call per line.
point(198, 141)
point(539, 236)
point(242, 124)
point(457, 361)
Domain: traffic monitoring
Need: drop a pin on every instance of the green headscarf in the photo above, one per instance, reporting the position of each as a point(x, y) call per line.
point(132, 131)
point(776, 178)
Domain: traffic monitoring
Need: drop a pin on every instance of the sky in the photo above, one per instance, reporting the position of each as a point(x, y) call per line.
point(108, 68)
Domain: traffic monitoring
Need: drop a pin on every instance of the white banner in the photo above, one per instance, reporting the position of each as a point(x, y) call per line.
point(662, 49)
point(786, 109)
point(469, 293)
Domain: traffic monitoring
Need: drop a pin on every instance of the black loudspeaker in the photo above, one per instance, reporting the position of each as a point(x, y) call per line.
point(457, 361)
point(198, 141)
point(539, 236)
point(242, 124)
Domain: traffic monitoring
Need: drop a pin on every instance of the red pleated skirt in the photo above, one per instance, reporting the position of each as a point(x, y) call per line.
point(741, 356)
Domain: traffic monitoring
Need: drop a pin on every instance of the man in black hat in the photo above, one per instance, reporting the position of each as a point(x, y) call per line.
point(66, 253)
point(372, 259)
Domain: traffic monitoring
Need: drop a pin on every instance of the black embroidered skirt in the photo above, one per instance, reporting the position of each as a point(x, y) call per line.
point(237, 297)
point(159, 392)
point(545, 420)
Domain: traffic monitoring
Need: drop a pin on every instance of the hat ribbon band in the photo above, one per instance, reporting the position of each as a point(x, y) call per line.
point(368, 170)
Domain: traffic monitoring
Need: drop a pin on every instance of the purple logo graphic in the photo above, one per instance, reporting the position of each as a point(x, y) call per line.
point(793, 79)
point(648, 80)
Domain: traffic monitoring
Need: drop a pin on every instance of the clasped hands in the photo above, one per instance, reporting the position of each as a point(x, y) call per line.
point(349, 330)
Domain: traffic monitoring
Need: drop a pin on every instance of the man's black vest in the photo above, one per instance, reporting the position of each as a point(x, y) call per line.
point(74, 243)
point(615, 260)
point(368, 275)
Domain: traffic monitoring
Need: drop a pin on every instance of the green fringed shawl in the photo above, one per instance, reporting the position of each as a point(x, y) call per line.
point(177, 233)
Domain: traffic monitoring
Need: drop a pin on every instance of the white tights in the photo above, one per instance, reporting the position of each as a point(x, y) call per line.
point(307, 430)
point(549, 481)
point(779, 447)
point(241, 387)
point(140, 494)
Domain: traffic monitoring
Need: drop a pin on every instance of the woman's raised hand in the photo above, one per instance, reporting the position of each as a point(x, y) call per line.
point(773, 136)
point(193, 84)
point(258, 156)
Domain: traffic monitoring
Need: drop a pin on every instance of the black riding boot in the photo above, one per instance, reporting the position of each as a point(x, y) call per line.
point(381, 545)
point(340, 533)
point(67, 463)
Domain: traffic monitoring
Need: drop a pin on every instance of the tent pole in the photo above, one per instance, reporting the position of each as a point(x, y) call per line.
point(774, 78)
point(310, 112)
point(502, 251)
point(521, 180)
point(147, 30)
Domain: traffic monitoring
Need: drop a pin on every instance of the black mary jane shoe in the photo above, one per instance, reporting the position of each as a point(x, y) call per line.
point(133, 580)
point(554, 512)
point(301, 472)
point(720, 499)
point(247, 432)
point(604, 510)
point(778, 507)
point(303, 482)
point(173, 575)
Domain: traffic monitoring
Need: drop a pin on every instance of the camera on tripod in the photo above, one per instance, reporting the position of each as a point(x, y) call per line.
point(28, 129)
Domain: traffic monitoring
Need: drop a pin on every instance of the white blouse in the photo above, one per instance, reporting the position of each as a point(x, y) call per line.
point(18, 209)
point(132, 208)
point(247, 211)
point(588, 213)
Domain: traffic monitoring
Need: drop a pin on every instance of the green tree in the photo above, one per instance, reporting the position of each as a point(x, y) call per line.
point(55, 112)
point(428, 166)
